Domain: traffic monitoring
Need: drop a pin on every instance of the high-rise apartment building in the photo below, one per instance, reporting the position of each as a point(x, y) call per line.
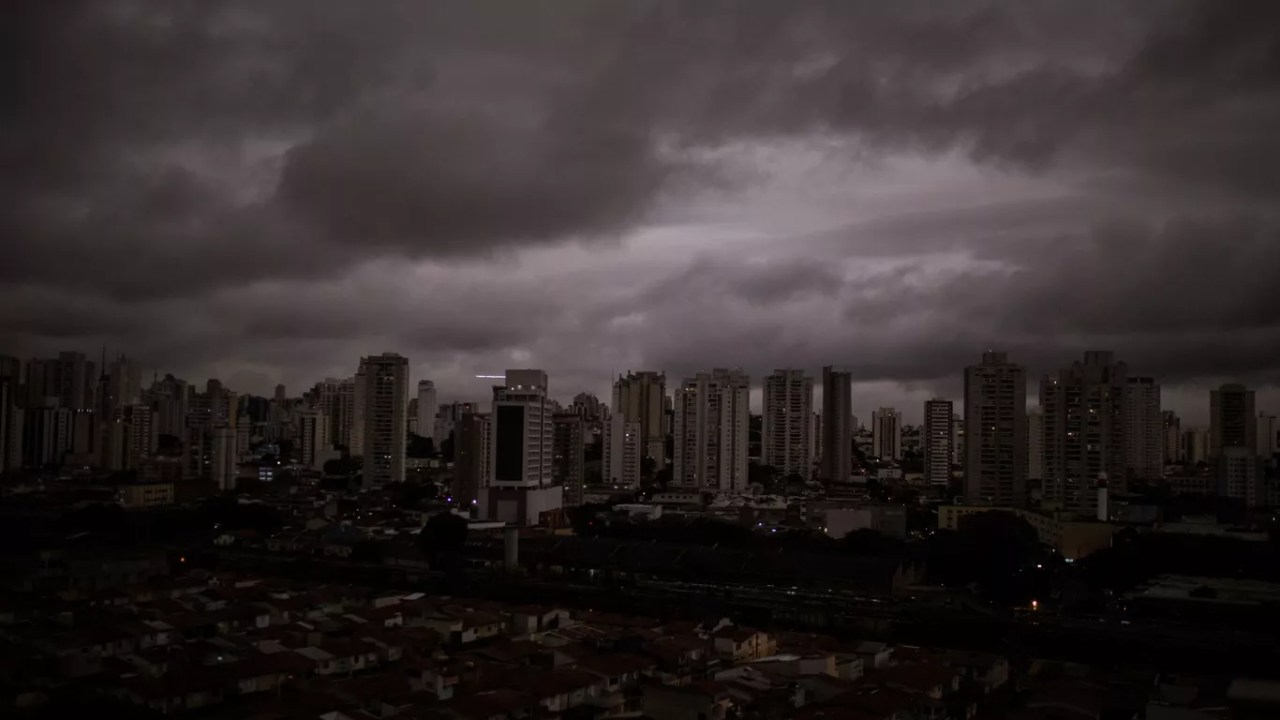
point(590, 409)
point(787, 424)
point(170, 399)
point(11, 368)
point(886, 434)
point(1174, 450)
point(11, 422)
point(427, 407)
point(335, 399)
point(69, 379)
point(1143, 429)
point(125, 379)
point(1240, 475)
point(448, 416)
point(939, 441)
point(313, 438)
point(641, 397)
point(1084, 431)
point(244, 435)
point(815, 438)
point(621, 452)
point(1035, 447)
point(1268, 444)
point(472, 457)
point(1232, 419)
point(836, 462)
point(995, 432)
point(1195, 443)
point(46, 434)
point(568, 455)
point(711, 428)
point(220, 402)
point(384, 390)
point(84, 437)
point(142, 431)
point(224, 466)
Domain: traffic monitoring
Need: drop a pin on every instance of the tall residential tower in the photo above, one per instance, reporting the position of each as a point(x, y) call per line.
point(995, 432)
point(383, 412)
point(711, 431)
point(788, 423)
point(837, 431)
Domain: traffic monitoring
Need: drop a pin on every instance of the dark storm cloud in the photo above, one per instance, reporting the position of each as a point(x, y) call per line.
point(163, 157)
point(458, 128)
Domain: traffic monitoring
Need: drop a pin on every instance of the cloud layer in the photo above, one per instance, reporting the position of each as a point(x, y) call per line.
point(267, 190)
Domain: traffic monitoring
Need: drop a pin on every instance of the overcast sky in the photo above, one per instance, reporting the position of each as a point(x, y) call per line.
point(263, 191)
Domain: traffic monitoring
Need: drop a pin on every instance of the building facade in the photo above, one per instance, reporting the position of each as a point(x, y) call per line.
point(886, 434)
point(938, 441)
point(1144, 435)
point(335, 399)
point(1268, 427)
point(313, 438)
point(472, 457)
point(641, 397)
point(711, 428)
point(383, 390)
point(1035, 447)
point(1240, 476)
point(995, 432)
point(523, 486)
point(1195, 444)
point(1232, 419)
point(427, 406)
point(622, 452)
point(787, 424)
point(836, 461)
point(523, 432)
point(568, 455)
point(1084, 431)
point(1174, 451)
point(448, 416)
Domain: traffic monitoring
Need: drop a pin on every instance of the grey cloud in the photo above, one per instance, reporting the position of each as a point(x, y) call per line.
point(1189, 300)
point(462, 127)
point(455, 132)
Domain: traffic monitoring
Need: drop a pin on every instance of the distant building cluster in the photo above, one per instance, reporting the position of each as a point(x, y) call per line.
point(521, 457)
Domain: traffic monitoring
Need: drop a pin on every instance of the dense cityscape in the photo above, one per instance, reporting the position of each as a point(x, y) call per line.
point(640, 360)
point(668, 552)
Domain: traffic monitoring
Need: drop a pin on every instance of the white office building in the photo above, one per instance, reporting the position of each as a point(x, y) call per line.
point(523, 483)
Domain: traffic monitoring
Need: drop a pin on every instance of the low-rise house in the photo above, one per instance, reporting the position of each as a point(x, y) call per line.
point(504, 704)
point(557, 691)
point(875, 655)
point(438, 676)
point(741, 644)
point(620, 671)
point(699, 701)
point(532, 619)
point(335, 657)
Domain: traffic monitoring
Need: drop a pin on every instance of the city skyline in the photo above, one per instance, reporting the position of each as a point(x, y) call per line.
point(910, 403)
point(761, 185)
